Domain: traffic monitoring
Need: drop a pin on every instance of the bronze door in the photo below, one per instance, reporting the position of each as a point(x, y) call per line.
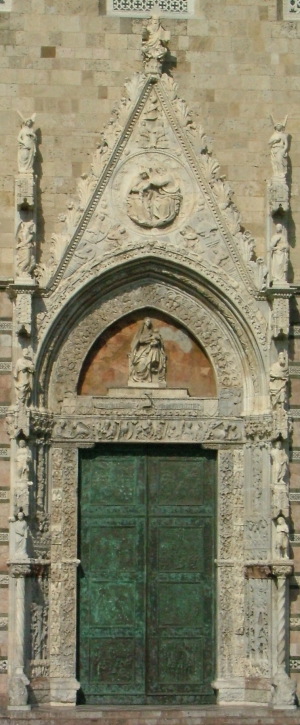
point(146, 629)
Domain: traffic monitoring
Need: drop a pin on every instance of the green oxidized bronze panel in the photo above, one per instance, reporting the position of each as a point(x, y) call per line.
point(146, 585)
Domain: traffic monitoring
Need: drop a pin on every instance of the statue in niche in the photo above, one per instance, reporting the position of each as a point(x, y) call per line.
point(280, 464)
point(27, 144)
point(279, 256)
point(154, 198)
point(147, 360)
point(282, 538)
point(25, 259)
point(154, 46)
point(279, 146)
point(21, 533)
point(23, 374)
point(279, 372)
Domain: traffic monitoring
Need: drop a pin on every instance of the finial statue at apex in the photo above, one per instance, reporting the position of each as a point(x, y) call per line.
point(154, 46)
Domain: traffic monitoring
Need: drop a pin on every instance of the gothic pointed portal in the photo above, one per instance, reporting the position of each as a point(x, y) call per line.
point(154, 185)
point(146, 582)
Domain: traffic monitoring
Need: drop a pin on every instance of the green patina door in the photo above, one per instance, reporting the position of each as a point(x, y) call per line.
point(146, 582)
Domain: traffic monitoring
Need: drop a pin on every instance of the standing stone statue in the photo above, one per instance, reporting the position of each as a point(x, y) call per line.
point(279, 146)
point(147, 363)
point(23, 374)
point(154, 46)
point(21, 488)
point(279, 256)
point(21, 533)
point(280, 464)
point(23, 458)
point(25, 258)
point(27, 145)
point(282, 538)
point(278, 381)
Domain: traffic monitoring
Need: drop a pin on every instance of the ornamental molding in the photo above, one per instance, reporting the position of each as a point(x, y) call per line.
point(206, 326)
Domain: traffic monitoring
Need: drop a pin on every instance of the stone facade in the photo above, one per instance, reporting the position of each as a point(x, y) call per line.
point(102, 229)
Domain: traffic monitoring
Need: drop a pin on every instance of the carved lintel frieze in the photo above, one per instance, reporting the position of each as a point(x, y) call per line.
point(257, 571)
point(142, 428)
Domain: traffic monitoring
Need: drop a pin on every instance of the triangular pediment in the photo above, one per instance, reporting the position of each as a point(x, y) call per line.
point(154, 186)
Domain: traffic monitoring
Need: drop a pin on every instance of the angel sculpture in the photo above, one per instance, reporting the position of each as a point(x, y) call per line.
point(279, 145)
point(27, 144)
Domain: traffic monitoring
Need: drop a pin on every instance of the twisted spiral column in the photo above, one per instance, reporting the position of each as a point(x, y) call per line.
point(281, 622)
point(20, 622)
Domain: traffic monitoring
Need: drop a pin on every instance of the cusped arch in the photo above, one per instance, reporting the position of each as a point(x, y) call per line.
point(220, 329)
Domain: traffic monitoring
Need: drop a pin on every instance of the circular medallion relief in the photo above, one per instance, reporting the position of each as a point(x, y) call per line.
point(153, 191)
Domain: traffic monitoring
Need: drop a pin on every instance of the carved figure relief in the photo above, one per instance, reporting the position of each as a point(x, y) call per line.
point(257, 630)
point(153, 191)
point(279, 256)
point(23, 374)
point(154, 198)
point(25, 257)
point(27, 144)
point(152, 132)
point(282, 538)
point(278, 382)
point(147, 362)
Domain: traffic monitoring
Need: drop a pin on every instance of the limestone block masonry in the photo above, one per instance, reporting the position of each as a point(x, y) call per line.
point(125, 225)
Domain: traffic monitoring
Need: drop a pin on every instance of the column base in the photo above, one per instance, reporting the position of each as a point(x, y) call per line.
point(19, 707)
point(230, 691)
point(63, 691)
point(284, 691)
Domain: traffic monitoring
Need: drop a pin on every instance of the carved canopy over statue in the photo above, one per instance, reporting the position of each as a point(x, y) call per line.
point(154, 199)
point(147, 361)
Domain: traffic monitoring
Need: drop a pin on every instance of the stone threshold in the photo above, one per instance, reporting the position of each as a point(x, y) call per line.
point(149, 715)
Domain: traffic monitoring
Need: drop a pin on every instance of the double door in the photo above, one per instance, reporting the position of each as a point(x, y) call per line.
point(146, 599)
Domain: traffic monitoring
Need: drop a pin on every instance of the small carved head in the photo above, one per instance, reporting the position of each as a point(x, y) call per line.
point(20, 515)
point(278, 228)
point(282, 359)
point(22, 443)
point(148, 322)
point(278, 444)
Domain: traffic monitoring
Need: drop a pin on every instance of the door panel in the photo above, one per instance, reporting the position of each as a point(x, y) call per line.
point(112, 606)
point(146, 596)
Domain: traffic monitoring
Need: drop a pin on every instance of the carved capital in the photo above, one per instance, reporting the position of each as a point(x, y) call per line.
point(19, 568)
point(41, 424)
point(259, 428)
point(283, 568)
